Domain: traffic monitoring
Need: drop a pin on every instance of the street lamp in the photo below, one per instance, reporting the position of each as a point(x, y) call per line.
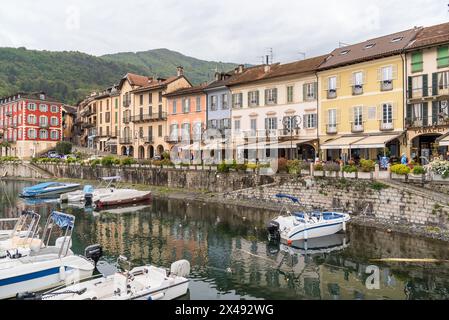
point(291, 124)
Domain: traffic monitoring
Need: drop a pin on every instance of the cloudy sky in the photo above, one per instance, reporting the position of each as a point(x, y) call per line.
point(232, 30)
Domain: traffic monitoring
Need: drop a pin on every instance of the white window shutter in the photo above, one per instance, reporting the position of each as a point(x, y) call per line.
point(380, 112)
point(338, 116)
point(394, 71)
point(325, 84)
point(364, 76)
point(364, 113)
point(338, 81)
point(351, 79)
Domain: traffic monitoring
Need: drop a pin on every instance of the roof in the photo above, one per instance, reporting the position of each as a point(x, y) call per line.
point(69, 109)
point(371, 49)
point(429, 36)
point(249, 75)
point(187, 91)
point(297, 67)
point(135, 80)
point(160, 83)
point(229, 76)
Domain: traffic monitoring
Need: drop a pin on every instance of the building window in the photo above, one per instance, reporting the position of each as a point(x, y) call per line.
point(185, 131)
point(237, 99)
point(357, 82)
point(107, 117)
point(116, 103)
point(31, 119)
point(443, 80)
point(54, 121)
point(32, 133)
point(289, 94)
point(237, 125)
point(253, 127)
point(417, 61)
point(310, 121)
point(54, 135)
point(417, 86)
point(332, 87)
point(43, 121)
point(43, 108)
point(160, 96)
point(174, 107)
point(332, 121)
point(198, 104)
point(141, 132)
point(271, 123)
point(357, 118)
point(387, 116)
point(32, 106)
point(271, 96)
point(212, 124)
point(43, 134)
point(213, 103)
point(54, 109)
point(309, 91)
point(253, 98)
point(186, 105)
point(150, 98)
point(159, 130)
point(386, 78)
point(443, 57)
point(174, 132)
point(224, 102)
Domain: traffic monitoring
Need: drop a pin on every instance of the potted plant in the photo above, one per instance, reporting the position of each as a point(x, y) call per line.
point(417, 173)
point(293, 166)
point(366, 169)
point(399, 171)
point(318, 170)
point(439, 170)
point(331, 169)
point(350, 171)
point(304, 167)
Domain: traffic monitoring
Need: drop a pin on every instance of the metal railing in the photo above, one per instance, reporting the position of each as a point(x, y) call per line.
point(331, 128)
point(125, 140)
point(440, 120)
point(357, 90)
point(331, 93)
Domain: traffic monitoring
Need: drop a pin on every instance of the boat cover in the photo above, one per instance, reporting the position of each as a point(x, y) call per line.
point(285, 196)
point(63, 220)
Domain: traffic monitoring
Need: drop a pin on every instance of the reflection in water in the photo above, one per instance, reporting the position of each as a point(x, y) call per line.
point(231, 258)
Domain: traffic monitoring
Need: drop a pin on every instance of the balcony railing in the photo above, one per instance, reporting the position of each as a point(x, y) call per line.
point(417, 93)
point(331, 93)
point(125, 140)
point(88, 125)
point(386, 85)
point(357, 90)
point(126, 103)
point(331, 128)
point(443, 90)
point(147, 139)
point(160, 116)
point(288, 133)
point(386, 126)
point(87, 113)
point(357, 128)
point(172, 139)
point(416, 122)
point(127, 120)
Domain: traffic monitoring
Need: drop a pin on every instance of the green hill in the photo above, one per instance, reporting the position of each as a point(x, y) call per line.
point(70, 76)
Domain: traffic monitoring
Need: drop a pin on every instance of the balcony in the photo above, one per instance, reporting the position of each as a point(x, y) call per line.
point(288, 133)
point(310, 97)
point(87, 113)
point(357, 90)
point(357, 128)
point(418, 122)
point(88, 125)
point(172, 139)
point(386, 85)
point(443, 90)
point(386, 126)
point(417, 93)
point(149, 140)
point(332, 93)
point(127, 120)
point(125, 140)
point(331, 128)
point(126, 103)
point(161, 116)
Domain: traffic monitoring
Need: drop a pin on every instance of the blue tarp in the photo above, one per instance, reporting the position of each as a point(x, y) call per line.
point(63, 220)
point(286, 196)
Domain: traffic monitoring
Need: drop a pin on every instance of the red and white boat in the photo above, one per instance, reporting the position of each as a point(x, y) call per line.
point(123, 197)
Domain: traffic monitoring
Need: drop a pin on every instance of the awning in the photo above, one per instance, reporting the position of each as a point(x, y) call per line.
point(341, 143)
point(289, 144)
point(255, 146)
point(103, 139)
point(374, 142)
point(443, 141)
point(111, 142)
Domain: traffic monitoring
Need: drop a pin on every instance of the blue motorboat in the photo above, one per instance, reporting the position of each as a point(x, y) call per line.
point(48, 189)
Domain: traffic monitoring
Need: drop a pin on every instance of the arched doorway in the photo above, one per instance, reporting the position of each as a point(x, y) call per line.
point(307, 152)
point(424, 148)
point(141, 152)
point(123, 151)
point(131, 151)
point(150, 152)
point(160, 149)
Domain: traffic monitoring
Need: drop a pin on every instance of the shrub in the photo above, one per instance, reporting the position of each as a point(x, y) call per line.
point(378, 186)
point(251, 166)
point(400, 169)
point(166, 155)
point(318, 167)
point(331, 167)
point(128, 161)
point(64, 147)
point(9, 159)
point(282, 165)
point(292, 166)
point(440, 167)
point(304, 165)
point(167, 162)
point(367, 165)
point(71, 160)
point(419, 170)
point(117, 161)
point(108, 161)
point(241, 167)
point(157, 163)
point(350, 169)
point(223, 167)
point(95, 162)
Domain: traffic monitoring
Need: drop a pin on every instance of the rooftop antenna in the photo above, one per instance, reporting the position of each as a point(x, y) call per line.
point(262, 59)
point(303, 54)
point(270, 55)
point(342, 44)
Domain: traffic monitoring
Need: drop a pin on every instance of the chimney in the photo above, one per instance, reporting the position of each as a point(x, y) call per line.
point(180, 71)
point(267, 68)
point(241, 68)
point(217, 76)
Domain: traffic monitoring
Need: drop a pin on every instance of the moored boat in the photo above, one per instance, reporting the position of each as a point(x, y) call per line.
point(48, 189)
point(303, 225)
point(123, 197)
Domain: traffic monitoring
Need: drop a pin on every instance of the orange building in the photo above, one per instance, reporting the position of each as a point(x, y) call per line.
point(186, 118)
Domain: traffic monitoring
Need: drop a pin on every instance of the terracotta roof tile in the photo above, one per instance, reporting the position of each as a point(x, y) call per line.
point(187, 91)
point(429, 36)
point(370, 49)
point(155, 84)
point(138, 80)
point(249, 75)
point(297, 67)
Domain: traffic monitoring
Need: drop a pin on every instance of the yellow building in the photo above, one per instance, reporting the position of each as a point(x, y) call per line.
point(362, 96)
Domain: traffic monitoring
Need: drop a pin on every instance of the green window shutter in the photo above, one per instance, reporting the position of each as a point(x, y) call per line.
point(435, 84)
point(249, 98)
point(410, 88)
point(425, 114)
point(304, 92)
point(266, 97)
point(315, 92)
point(417, 62)
point(409, 114)
point(257, 97)
point(443, 57)
point(425, 85)
point(275, 94)
point(435, 112)
point(241, 99)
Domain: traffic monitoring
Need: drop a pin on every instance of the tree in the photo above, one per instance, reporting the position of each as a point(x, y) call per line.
point(64, 147)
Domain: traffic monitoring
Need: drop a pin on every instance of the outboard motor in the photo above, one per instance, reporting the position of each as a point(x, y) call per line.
point(28, 296)
point(88, 195)
point(93, 252)
point(273, 231)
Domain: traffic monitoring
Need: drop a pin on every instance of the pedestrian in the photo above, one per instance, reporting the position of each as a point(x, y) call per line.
point(404, 159)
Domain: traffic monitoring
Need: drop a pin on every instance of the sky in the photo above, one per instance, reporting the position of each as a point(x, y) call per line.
point(240, 31)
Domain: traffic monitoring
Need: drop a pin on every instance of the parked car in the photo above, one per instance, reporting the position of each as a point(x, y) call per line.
point(53, 155)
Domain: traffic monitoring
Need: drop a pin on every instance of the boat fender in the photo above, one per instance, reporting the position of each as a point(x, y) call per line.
point(62, 273)
point(344, 226)
point(158, 296)
point(180, 268)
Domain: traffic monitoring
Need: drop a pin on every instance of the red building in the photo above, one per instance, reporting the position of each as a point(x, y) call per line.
point(30, 123)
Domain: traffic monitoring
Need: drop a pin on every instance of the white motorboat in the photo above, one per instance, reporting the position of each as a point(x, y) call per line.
point(305, 225)
point(328, 244)
point(48, 189)
point(141, 283)
point(45, 266)
point(123, 197)
point(90, 194)
point(25, 226)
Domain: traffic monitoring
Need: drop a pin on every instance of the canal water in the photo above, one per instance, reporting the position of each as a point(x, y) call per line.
point(231, 257)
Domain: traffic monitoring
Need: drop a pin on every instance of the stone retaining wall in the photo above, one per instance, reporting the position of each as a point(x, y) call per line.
point(390, 204)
